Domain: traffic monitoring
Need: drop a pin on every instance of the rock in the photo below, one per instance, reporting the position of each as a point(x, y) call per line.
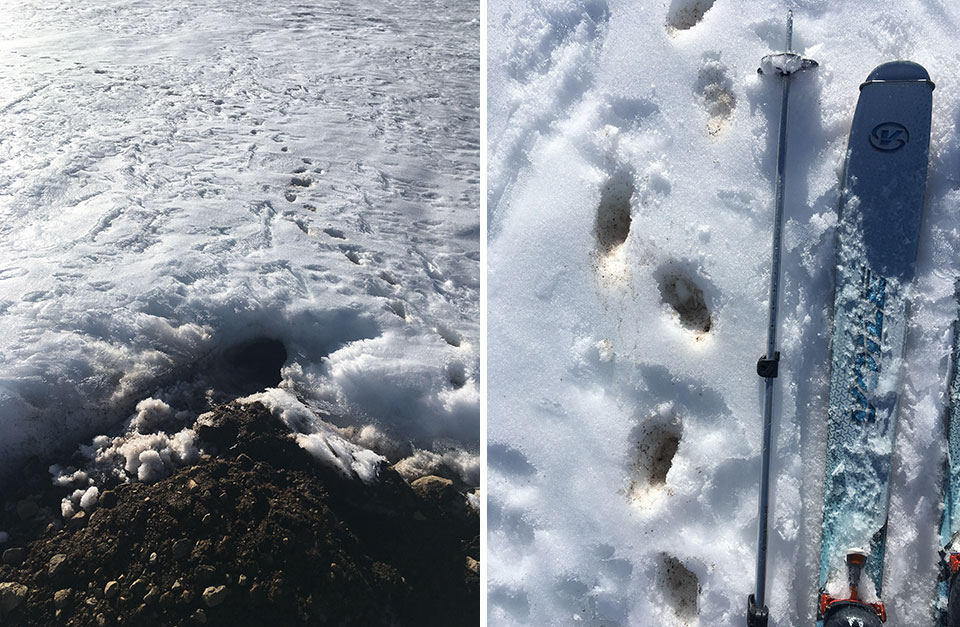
point(107, 500)
point(62, 597)
point(167, 599)
point(27, 509)
point(473, 565)
point(153, 558)
point(193, 486)
point(111, 589)
point(246, 463)
point(200, 616)
point(182, 548)
point(101, 620)
point(79, 521)
point(14, 555)
point(138, 588)
point(242, 580)
point(152, 596)
point(12, 594)
point(57, 564)
point(214, 595)
point(433, 488)
point(207, 519)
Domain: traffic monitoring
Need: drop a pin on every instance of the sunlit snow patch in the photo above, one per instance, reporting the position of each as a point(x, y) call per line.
point(317, 437)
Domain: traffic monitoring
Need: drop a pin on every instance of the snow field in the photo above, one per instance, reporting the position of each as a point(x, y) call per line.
point(182, 182)
point(631, 155)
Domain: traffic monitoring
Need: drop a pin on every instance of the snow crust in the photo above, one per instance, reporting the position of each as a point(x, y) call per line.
point(179, 179)
point(624, 410)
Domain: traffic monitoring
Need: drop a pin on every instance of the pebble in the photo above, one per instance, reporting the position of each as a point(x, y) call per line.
point(12, 595)
point(153, 558)
point(101, 620)
point(111, 589)
point(214, 595)
point(108, 499)
point(14, 555)
point(167, 599)
point(473, 565)
point(78, 521)
point(182, 548)
point(138, 588)
point(57, 564)
point(152, 596)
point(193, 486)
point(62, 597)
point(200, 616)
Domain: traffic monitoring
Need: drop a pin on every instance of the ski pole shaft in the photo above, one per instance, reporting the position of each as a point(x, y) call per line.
point(785, 65)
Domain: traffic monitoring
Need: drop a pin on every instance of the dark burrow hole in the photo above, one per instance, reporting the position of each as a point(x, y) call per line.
point(686, 298)
point(613, 213)
point(251, 366)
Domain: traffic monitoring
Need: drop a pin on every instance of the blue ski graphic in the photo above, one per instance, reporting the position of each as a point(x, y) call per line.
point(878, 233)
point(948, 591)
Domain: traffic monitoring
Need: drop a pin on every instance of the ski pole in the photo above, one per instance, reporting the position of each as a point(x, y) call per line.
point(784, 65)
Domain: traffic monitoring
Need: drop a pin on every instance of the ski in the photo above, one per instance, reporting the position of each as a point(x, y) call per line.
point(948, 590)
point(878, 232)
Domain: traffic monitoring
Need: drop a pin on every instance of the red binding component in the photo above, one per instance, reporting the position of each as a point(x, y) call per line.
point(826, 601)
point(954, 562)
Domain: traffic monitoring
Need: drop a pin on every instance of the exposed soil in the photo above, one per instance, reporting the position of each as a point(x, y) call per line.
point(256, 534)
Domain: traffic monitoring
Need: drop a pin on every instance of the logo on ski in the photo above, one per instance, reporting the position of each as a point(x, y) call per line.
point(889, 136)
point(866, 360)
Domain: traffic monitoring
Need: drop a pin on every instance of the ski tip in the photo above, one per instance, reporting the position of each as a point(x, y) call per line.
point(899, 71)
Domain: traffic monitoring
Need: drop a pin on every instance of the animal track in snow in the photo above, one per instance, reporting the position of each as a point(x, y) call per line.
point(686, 297)
point(449, 335)
point(685, 14)
point(389, 278)
point(301, 181)
point(656, 444)
point(613, 214)
point(397, 307)
point(681, 589)
point(715, 89)
point(457, 374)
point(513, 601)
point(509, 461)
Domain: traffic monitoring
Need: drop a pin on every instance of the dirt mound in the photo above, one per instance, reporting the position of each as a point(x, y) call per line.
point(256, 534)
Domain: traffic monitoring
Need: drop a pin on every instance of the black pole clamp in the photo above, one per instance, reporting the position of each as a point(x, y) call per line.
point(756, 616)
point(769, 368)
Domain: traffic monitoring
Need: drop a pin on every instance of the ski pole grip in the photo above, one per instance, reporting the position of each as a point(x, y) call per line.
point(769, 368)
point(756, 616)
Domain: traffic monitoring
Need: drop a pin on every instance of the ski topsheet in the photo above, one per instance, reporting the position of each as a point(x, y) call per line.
point(948, 593)
point(878, 232)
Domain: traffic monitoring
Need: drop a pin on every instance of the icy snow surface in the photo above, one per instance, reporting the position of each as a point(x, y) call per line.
point(180, 178)
point(632, 152)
